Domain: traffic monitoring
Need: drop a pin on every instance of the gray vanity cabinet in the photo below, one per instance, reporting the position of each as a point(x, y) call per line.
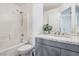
point(45, 50)
point(50, 51)
point(45, 47)
point(68, 53)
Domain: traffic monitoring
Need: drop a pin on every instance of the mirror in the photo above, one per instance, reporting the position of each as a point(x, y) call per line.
point(65, 21)
point(77, 18)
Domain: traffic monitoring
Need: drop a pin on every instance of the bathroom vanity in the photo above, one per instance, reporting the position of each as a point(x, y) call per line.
point(55, 46)
point(64, 20)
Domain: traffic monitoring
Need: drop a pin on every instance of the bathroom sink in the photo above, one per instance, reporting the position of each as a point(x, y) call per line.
point(67, 39)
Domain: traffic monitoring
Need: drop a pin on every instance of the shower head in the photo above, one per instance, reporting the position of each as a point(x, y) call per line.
point(19, 11)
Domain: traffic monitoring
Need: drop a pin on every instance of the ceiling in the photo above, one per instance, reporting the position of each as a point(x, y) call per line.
point(48, 6)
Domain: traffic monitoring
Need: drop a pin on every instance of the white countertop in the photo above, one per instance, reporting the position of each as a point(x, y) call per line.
point(70, 40)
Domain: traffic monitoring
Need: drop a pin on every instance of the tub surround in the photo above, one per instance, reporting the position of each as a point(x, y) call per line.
point(64, 39)
point(12, 51)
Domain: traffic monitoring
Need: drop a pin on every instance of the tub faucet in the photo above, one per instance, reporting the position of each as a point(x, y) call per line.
point(22, 35)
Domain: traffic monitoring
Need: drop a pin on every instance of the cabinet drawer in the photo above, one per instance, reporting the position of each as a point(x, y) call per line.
point(62, 45)
point(52, 43)
point(38, 50)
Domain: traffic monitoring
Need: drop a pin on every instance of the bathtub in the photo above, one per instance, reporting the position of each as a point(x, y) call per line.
point(12, 50)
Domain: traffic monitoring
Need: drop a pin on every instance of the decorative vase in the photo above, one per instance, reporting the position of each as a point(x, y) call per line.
point(46, 32)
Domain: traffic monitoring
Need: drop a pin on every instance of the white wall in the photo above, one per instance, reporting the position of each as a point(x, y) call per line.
point(9, 25)
point(37, 19)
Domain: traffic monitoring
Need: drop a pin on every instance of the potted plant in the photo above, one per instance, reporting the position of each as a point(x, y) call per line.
point(47, 28)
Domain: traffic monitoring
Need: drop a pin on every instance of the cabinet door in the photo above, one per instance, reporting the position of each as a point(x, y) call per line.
point(68, 53)
point(50, 51)
point(38, 50)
